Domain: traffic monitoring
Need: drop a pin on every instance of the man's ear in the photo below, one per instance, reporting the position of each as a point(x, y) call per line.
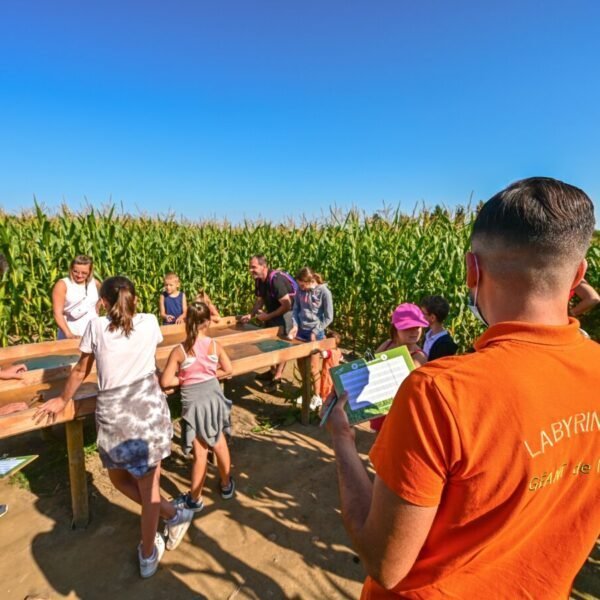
point(580, 274)
point(472, 270)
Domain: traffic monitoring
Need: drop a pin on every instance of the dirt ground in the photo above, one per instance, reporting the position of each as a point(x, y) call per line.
point(281, 537)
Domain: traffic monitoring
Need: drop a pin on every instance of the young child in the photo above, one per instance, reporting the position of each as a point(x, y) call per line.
point(202, 296)
point(132, 416)
point(172, 302)
point(312, 313)
point(438, 341)
point(198, 362)
point(405, 330)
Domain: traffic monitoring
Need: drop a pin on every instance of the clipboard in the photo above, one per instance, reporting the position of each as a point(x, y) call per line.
point(13, 464)
point(371, 384)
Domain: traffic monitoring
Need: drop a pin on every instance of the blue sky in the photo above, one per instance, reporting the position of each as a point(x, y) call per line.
point(282, 108)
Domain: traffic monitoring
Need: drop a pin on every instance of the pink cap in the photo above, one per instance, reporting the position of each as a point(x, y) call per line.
point(408, 315)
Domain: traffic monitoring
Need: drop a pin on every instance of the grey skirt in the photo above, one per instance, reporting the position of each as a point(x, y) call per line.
point(134, 426)
point(205, 413)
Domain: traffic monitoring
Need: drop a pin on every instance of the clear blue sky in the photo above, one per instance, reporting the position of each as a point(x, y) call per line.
point(278, 108)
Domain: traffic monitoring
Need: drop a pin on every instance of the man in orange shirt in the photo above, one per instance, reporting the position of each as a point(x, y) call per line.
point(488, 465)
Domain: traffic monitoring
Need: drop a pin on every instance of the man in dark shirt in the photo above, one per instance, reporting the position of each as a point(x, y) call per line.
point(274, 292)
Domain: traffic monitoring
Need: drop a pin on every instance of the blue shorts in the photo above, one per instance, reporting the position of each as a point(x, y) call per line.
point(304, 335)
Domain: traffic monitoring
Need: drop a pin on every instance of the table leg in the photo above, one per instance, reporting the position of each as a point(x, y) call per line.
point(77, 474)
point(307, 389)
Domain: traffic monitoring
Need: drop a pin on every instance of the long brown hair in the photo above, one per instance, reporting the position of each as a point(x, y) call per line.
point(84, 260)
point(307, 274)
point(119, 292)
point(198, 313)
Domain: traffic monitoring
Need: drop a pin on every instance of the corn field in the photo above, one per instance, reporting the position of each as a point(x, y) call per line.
point(371, 263)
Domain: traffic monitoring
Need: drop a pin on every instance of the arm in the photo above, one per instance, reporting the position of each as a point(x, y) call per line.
point(286, 305)
point(161, 308)
point(258, 304)
point(99, 303)
point(169, 377)
point(327, 309)
point(386, 531)
point(52, 407)
point(215, 317)
point(419, 359)
point(13, 372)
point(59, 292)
point(588, 298)
point(225, 368)
point(184, 306)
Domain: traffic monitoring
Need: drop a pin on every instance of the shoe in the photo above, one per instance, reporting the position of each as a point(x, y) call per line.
point(272, 386)
point(266, 376)
point(174, 532)
point(228, 492)
point(315, 402)
point(149, 565)
point(185, 501)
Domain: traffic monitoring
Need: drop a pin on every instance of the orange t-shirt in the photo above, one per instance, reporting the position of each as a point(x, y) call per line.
point(506, 442)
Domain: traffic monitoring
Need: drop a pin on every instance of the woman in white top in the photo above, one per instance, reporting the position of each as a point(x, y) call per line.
point(132, 416)
point(75, 298)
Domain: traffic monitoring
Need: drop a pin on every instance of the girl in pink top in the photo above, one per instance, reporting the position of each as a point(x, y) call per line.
point(196, 366)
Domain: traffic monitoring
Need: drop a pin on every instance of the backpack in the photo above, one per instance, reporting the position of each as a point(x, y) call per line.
point(291, 280)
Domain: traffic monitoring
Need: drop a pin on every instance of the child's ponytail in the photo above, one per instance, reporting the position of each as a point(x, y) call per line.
point(119, 292)
point(198, 313)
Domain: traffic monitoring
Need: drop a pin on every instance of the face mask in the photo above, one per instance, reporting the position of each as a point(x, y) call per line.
point(472, 301)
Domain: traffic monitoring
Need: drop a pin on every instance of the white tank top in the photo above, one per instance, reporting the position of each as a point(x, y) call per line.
point(80, 304)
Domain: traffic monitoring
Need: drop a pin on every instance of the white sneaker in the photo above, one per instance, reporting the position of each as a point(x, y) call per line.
point(315, 402)
point(298, 401)
point(176, 531)
point(148, 566)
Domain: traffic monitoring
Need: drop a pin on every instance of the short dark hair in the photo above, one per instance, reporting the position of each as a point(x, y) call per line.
point(436, 305)
point(261, 259)
point(541, 214)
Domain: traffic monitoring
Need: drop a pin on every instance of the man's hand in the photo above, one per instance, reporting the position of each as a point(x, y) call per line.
point(245, 318)
point(49, 410)
point(13, 372)
point(337, 423)
point(180, 319)
point(170, 319)
point(293, 332)
point(262, 316)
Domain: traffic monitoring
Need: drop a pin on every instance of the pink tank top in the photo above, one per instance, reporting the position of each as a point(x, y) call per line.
point(202, 366)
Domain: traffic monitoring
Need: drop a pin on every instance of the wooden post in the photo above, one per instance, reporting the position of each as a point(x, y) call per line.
point(307, 389)
point(77, 474)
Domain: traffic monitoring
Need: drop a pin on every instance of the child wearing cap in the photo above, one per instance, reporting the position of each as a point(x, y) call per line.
point(405, 330)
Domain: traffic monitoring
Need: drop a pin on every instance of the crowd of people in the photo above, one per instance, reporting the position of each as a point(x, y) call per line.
point(474, 485)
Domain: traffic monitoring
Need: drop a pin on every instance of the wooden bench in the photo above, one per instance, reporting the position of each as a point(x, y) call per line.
point(242, 342)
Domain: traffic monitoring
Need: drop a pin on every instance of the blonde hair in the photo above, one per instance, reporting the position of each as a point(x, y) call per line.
point(84, 260)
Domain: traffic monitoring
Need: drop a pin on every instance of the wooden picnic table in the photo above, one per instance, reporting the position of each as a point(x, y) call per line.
point(249, 347)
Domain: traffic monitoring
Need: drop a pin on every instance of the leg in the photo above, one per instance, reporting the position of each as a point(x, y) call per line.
point(199, 468)
point(223, 460)
point(279, 370)
point(315, 369)
point(149, 491)
point(127, 484)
